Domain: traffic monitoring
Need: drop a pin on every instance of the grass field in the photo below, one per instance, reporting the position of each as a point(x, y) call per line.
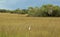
point(15, 25)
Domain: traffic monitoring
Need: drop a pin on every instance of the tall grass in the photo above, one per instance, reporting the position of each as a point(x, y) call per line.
point(12, 25)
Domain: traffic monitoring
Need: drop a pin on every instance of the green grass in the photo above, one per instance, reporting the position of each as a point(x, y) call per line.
point(14, 25)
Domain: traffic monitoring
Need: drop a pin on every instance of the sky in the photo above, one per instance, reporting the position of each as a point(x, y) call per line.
point(23, 4)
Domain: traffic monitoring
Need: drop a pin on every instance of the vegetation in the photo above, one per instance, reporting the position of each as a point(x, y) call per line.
point(14, 25)
point(43, 11)
point(42, 22)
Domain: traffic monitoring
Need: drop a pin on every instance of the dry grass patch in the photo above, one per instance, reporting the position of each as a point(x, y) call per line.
point(13, 25)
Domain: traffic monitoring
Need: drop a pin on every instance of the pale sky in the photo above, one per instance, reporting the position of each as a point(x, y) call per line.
point(23, 4)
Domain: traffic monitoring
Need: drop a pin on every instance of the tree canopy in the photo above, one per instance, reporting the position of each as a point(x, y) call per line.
point(48, 10)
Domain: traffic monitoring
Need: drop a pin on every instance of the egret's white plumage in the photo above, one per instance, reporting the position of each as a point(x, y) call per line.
point(29, 28)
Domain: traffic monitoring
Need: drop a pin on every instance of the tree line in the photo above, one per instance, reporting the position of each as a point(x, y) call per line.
point(48, 10)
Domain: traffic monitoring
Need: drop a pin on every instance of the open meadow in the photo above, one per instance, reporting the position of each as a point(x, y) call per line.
point(15, 25)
